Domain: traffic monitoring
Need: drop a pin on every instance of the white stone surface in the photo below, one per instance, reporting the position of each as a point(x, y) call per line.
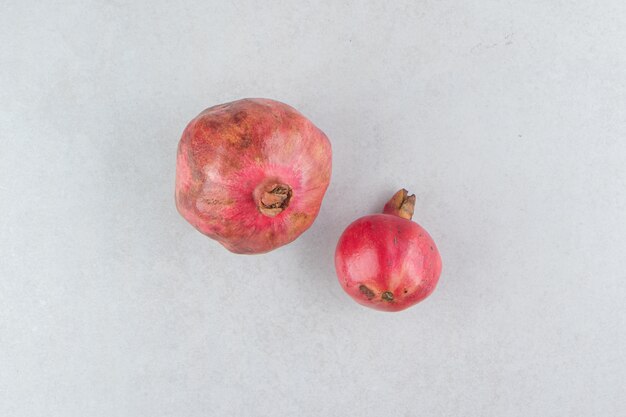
point(506, 118)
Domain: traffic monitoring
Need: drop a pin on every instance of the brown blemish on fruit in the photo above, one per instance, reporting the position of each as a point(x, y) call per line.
point(216, 202)
point(366, 291)
point(212, 125)
point(387, 296)
point(299, 220)
point(211, 201)
point(240, 116)
point(245, 140)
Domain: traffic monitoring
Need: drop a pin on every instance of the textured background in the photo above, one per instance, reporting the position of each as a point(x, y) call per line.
point(506, 118)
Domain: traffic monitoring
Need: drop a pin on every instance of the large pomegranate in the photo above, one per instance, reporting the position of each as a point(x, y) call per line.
point(386, 261)
point(251, 174)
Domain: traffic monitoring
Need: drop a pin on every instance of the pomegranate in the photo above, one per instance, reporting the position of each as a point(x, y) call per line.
point(252, 174)
point(386, 261)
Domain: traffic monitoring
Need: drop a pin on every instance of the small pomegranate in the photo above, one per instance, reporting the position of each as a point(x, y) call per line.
point(252, 174)
point(386, 261)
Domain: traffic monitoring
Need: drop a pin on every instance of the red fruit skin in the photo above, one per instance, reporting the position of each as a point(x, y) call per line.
point(231, 154)
point(385, 253)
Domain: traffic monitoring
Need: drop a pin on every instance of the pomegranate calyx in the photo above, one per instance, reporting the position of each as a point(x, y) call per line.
point(274, 199)
point(401, 204)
